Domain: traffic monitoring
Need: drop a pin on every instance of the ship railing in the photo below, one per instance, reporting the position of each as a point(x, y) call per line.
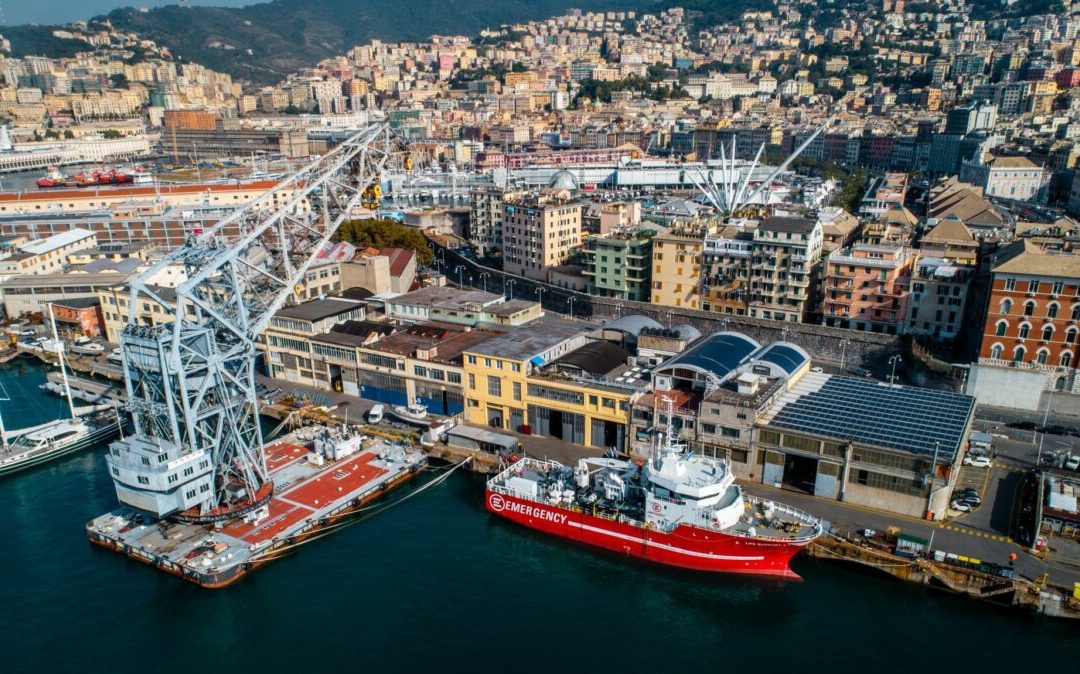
point(517, 467)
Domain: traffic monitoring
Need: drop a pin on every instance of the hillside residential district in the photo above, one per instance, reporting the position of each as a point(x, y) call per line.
point(834, 247)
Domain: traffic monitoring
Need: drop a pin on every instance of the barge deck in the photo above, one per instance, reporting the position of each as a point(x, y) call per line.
point(310, 493)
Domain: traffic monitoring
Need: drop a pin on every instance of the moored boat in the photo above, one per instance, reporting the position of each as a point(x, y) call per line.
point(412, 413)
point(677, 509)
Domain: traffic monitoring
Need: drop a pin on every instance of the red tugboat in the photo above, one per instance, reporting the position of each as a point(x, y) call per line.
point(93, 178)
point(54, 178)
point(678, 509)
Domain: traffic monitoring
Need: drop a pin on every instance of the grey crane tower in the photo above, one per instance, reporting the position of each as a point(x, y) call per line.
point(197, 450)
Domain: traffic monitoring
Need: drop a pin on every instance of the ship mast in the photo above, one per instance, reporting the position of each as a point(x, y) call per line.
point(60, 356)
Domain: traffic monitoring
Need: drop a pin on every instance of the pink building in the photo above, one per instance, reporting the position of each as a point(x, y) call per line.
point(866, 288)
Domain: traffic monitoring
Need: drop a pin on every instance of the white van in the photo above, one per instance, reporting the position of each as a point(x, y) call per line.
point(375, 414)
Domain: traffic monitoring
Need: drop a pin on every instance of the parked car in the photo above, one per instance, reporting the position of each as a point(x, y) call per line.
point(1073, 462)
point(972, 499)
point(978, 461)
point(115, 356)
point(962, 506)
point(28, 332)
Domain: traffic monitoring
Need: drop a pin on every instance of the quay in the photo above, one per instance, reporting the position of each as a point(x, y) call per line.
point(960, 575)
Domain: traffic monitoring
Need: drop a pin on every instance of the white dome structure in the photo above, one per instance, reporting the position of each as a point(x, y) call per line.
point(563, 180)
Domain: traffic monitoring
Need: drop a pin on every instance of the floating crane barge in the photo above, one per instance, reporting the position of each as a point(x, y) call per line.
point(202, 496)
point(308, 498)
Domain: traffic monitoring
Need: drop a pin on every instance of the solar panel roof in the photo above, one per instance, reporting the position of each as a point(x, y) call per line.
point(718, 354)
point(904, 418)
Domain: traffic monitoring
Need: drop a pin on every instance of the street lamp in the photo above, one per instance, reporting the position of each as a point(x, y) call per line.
point(571, 300)
point(892, 376)
point(1046, 417)
point(843, 353)
point(483, 277)
point(510, 283)
point(458, 270)
point(540, 296)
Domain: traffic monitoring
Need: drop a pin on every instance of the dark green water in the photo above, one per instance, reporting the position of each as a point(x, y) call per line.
point(437, 584)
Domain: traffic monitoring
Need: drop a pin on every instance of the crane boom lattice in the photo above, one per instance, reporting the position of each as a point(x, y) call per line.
point(197, 449)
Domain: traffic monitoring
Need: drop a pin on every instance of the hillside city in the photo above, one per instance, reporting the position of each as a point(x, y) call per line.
point(833, 243)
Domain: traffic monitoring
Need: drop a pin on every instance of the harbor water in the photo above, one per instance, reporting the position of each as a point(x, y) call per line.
point(436, 584)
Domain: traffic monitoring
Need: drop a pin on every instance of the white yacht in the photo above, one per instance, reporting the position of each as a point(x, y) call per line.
point(29, 447)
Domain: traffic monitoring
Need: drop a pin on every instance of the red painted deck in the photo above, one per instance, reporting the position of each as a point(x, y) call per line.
point(334, 482)
point(299, 501)
point(282, 454)
point(282, 517)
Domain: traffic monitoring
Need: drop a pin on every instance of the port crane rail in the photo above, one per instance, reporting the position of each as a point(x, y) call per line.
point(197, 449)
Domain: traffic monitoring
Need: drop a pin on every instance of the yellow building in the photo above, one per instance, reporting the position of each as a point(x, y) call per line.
point(676, 277)
point(514, 381)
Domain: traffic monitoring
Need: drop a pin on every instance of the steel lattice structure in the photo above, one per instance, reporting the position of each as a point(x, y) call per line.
point(731, 194)
point(191, 381)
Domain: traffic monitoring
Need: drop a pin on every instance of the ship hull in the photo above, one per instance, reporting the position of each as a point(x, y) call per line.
point(684, 547)
point(95, 437)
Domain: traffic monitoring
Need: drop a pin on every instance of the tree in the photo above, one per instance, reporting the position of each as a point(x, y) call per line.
point(111, 134)
point(119, 81)
point(382, 233)
point(68, 135)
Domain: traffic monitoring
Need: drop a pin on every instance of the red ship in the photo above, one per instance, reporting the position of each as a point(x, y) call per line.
point(677, 509)
point(94, 178)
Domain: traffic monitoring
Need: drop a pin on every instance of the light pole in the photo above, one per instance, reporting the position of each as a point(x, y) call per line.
point(843, 353)
point(892, 376)
point(511, 283)
point(484, 277)
point(1046, 417)
point(572, 298)
point(458, 270)
point(540, 296)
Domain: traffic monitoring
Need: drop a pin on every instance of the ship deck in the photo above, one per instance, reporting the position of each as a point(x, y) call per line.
point(305, 496)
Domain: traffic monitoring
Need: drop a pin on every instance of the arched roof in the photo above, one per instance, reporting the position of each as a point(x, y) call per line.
point(785, 355)
point(632, 324)
point(716, 355)
point(686, 332)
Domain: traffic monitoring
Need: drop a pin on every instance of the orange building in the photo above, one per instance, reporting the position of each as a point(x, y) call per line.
point(866, 288)
point(81, 315)
point(190, 119)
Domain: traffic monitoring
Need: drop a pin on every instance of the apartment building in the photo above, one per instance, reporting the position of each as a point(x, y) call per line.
point(676, 270)
point(726, 271)
point(618, 265)
point(866, 288)
point(785, 254)
point(938, 298)
point(486, 210)
point(48, 255)
point(1033, 316)
point(540, 230)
